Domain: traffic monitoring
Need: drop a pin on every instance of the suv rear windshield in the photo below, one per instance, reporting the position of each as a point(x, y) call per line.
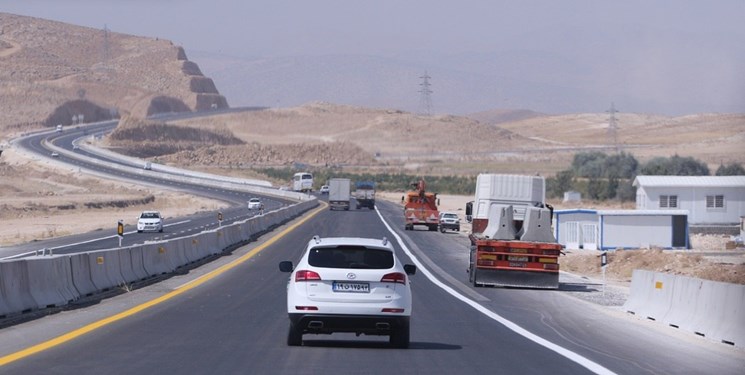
point(350, 257)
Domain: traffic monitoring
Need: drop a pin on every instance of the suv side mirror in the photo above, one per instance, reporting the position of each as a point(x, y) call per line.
point(285, 266)
point(410, 269)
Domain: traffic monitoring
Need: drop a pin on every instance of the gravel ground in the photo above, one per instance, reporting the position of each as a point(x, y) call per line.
point(592, 290)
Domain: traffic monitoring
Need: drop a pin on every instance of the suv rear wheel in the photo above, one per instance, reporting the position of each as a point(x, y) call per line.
point(400, 337)
point(294, 336)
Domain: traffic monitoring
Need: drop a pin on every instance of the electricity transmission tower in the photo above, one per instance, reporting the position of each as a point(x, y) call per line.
point(425, 95)
point(106, 53)
point(613, 127)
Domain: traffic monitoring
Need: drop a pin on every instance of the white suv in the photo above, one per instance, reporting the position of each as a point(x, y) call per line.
point(150, 221)
point(349, 284)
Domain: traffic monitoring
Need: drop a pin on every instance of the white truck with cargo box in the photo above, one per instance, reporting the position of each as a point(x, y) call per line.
point(339, 193)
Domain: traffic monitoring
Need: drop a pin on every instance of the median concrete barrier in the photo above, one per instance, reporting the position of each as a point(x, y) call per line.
point(137, 262)
point(28, 284)
point(125, 265)
point(105, 269)
point(81, 274)
point(155, 259)
point(50, 280)
point(15, 287)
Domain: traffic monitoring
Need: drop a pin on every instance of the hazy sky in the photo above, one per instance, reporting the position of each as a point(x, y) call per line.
point(700, 40)
point(270, 28)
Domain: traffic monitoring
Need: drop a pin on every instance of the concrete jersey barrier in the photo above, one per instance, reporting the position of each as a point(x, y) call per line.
point(29, 284)
point(710, 309)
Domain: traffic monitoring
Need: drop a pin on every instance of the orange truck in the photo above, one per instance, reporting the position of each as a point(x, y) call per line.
point(512, 243)
point(420, 207)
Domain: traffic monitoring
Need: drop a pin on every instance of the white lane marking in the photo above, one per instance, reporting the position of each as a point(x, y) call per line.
point(572, 356)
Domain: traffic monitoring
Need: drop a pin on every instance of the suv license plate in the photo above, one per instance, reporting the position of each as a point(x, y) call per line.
point(346, 287)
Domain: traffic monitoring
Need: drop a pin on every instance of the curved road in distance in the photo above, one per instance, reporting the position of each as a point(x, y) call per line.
point(106, 238)
point(236, 322)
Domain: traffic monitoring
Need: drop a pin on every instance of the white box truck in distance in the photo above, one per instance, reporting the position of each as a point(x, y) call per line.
point(339, 193)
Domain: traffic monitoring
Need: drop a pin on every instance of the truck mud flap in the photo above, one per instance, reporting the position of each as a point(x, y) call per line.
point(516, 279)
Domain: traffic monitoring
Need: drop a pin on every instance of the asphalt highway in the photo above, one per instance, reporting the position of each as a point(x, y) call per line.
point(234, 321)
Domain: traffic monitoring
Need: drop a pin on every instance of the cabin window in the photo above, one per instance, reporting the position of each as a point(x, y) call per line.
point(714, 201)
point(668, 201)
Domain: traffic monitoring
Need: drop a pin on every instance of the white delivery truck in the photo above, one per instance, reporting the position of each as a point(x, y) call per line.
point(339, 193)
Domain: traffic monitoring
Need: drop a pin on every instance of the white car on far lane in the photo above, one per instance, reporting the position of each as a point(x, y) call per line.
point(150, 221)
point(255, 204)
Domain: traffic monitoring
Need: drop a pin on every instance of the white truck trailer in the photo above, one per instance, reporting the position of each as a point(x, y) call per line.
point(339, 193)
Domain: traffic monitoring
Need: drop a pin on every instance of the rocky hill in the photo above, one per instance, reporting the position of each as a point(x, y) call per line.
point(51, 71)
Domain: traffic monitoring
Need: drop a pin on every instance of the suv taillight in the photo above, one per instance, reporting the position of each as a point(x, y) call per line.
point(394, 277)
point(305, 275)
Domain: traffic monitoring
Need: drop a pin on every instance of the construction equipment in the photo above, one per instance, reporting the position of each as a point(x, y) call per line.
point(364, 194)
point(512, 243)
point(420, 207)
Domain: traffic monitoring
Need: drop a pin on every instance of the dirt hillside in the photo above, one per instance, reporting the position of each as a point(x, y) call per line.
point(51, 71)
point(445, 145)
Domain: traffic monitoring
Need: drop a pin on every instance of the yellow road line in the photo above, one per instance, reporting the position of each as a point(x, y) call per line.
point(124, 314)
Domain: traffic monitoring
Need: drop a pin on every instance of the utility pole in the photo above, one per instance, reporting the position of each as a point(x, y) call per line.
point(425, 97)
point(613, 127)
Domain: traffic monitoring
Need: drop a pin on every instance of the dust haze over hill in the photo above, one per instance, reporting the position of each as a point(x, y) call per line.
point(663, 57)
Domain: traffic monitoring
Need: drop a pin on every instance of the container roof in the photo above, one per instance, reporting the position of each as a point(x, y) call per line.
point(690, 181)
point(642, 212)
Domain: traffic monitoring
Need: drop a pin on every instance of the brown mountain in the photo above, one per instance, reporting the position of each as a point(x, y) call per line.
point(51, 71)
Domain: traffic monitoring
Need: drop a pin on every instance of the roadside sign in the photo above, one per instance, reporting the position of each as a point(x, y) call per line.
point(604, 259)
point(120, 231)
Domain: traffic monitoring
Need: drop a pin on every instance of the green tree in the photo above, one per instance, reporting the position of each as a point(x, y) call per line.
point(731, 169)
point(621, 165)
point(563, 181)
point(675, 166)
point(596, 188)
point(588, 164)
point(626, 191)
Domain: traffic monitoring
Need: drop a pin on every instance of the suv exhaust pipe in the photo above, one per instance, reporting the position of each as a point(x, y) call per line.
point(315, 324)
